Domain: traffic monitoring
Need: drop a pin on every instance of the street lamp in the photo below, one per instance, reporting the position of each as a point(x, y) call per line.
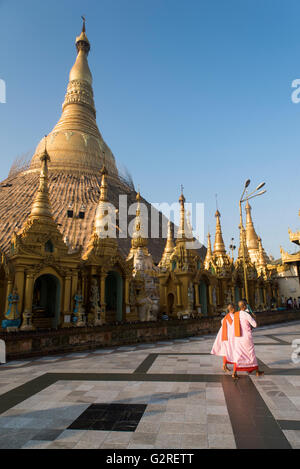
point(257, 192)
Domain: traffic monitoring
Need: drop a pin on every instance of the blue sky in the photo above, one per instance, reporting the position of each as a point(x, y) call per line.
point(192, 92)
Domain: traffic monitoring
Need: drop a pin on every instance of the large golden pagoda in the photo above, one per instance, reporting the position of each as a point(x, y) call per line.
point(75, 143)
point(65, 259)
point(77, 153)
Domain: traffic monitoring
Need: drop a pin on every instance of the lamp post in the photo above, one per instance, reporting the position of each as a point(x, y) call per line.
point(244, 198)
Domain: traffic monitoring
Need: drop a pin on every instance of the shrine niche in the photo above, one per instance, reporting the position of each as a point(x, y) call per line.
point(203, 295)
point(46, 302)
point(114, 296)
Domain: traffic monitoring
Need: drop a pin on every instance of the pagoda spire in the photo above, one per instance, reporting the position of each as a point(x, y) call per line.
point(219, 246)
point(80, 78)
point(103, 187)
point(169, 248)
point(139, 239)
point(75, 143)
point(243, 242)
point(181, 230)
point(189, 225)
point(251, 236)
point(41, 207)
point(209, 255)
point(105, 223)
point(261, 262)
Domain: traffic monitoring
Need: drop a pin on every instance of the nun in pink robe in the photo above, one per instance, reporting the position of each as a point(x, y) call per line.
point(238, 351)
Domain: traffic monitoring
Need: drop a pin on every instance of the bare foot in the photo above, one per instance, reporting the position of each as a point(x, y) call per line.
point(259, 373)
point(226, 369)
point(235, 375)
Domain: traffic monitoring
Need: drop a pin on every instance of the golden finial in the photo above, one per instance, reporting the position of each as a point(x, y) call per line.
point(82, 42)
point(181, 198)
point(138, 199)
point(169, 248)
point(41, 205)
point(261, 258)
point(209, 251)
point(83, 24)
point(103, 186)
point(216, 196)
point(169, 235)
point(103, 169)
point(44, 156)
point(251, 236)
point(181, 229)
point(219, 246)
point(139, 236)
point(189, 225)
point(243, 244)
point(208, 256)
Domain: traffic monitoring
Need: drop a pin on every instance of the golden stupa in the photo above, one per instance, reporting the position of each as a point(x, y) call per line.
point(77, 153)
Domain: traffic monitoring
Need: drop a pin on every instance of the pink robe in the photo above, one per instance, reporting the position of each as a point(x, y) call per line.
point(237, 350)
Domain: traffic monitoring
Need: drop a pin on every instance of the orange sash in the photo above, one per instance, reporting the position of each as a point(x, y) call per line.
point(236, 322)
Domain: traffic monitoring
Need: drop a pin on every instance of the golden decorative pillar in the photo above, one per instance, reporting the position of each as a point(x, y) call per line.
point(210, 300)
point(27, 314)
point(29, 291)
point(178, 290)
point(66, 314)
point(19, 284)
point(165, 295)
point(74, 282)
point(197, 299)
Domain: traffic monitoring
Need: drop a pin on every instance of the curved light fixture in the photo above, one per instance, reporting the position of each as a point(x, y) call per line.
point(255, 195)
point(260, 186)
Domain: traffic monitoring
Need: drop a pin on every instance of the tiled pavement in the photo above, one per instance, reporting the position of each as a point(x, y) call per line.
point(171, 394)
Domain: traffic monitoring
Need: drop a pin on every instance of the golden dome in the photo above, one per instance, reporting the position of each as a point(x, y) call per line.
point(75, 143)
